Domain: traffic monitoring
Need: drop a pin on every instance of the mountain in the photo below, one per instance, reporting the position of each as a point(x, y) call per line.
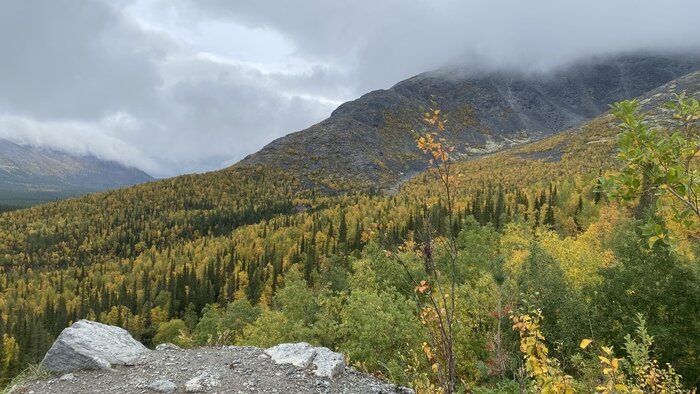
point(581, 151)
point(31, 174)
point(369, 143)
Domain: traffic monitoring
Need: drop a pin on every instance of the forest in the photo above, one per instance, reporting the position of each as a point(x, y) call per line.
point(549, 268)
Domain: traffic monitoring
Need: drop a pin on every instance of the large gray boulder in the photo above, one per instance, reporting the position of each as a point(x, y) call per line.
point(326, 363)
point(91, 345)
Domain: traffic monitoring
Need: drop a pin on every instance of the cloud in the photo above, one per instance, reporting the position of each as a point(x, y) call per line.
point(193, 85)
point(88, 78)
point(210, 116)
point(77, 60)
point(221, 113)
point(78, 137)
point(391, 39)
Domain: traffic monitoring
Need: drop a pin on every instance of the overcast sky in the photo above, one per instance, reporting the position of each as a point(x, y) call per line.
point(177, 86)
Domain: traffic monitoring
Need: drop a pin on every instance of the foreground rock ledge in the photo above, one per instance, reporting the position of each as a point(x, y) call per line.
point(227, 369)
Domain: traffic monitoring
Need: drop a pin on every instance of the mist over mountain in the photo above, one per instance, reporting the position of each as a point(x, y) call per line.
point(31, 174)
point(218, 80)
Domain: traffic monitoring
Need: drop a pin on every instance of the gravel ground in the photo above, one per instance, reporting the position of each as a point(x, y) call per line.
point(221, 370)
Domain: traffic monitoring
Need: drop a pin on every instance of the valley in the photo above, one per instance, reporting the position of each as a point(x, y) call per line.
point(302, 242)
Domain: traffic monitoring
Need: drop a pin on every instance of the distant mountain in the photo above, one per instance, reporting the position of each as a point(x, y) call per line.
point(30, 174)
point(370, 142)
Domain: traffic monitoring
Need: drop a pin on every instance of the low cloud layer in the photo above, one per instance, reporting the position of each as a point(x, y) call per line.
point(193, 85)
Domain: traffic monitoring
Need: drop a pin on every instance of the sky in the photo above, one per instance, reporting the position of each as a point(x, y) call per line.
point(182, 86)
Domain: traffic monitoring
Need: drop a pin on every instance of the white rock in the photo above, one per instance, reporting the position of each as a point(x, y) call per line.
point(300, 354)
point(328, 364)
point(201, 383)
point(163, 386)
point(67, 377)
point(90, 345)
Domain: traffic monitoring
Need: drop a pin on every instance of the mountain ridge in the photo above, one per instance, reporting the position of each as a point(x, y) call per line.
point(41, 174)
point(369, 143)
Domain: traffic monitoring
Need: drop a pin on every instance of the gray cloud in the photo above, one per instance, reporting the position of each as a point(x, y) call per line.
point(386, 40)
point(71, 59)
point(193, 85)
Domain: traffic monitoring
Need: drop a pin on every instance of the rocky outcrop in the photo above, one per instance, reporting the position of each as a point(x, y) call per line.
point(286, 368)
point(90, 345)
point(325, 363)
point(298, 354)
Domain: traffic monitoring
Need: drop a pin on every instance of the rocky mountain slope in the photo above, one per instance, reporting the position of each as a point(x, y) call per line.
point(370, 142)
point(582, 151)
point(90, 357)
point(28, 172)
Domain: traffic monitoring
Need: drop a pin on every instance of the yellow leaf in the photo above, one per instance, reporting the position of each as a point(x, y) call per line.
point(585, 342)
point(422, 287)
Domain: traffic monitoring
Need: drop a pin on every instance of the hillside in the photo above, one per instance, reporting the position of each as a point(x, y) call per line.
point(369, 143)
point(29, 175)
point(249, 256)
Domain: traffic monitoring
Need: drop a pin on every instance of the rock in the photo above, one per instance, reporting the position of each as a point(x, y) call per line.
point(201, 383)
point(299, 354)
point(90, 345)
point(163, 386)
point(67, 377)
point(168, 346)
point(328, 364)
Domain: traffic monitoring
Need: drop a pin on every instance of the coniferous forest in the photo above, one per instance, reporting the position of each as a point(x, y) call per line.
point(537, 268)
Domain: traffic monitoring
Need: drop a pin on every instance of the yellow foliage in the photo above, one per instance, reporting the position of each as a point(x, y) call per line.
point(545, 372)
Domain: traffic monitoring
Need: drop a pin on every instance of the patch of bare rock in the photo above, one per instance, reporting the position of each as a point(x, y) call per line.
point(90, 357)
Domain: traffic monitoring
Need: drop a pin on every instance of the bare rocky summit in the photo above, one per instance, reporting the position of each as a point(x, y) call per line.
point(105, 361)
